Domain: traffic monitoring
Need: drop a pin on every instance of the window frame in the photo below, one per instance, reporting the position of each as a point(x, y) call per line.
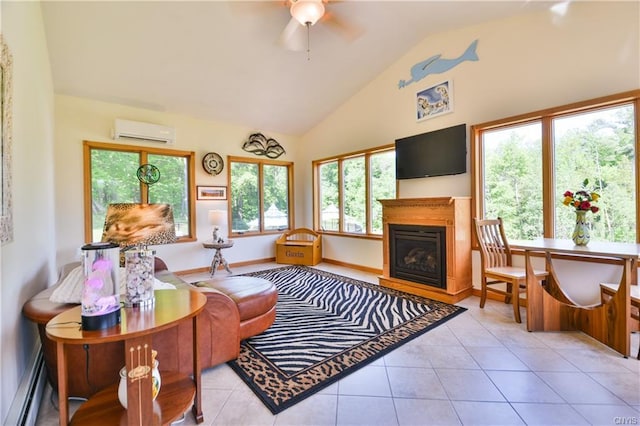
point(545, 117)
point(143, 151)
point(261, 162)
point(315, 166)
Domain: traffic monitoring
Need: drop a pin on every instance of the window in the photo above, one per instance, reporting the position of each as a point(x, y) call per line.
point(112, 178)
point(261, 194)
point(523, 165)
point(354, 195)
point(383, 185)
point(513, 178)
point(329, 193)
point(598, 145)
point(347, 188)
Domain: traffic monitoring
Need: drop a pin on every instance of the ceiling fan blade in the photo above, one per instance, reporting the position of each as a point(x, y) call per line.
point(293, 37)
point(348, 31)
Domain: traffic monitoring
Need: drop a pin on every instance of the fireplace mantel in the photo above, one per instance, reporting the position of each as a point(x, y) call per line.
point(453, 213)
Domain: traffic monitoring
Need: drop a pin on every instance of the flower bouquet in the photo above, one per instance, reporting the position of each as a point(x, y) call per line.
point(582, 201)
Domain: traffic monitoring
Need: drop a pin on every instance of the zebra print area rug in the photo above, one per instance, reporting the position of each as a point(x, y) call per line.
point(327, 326)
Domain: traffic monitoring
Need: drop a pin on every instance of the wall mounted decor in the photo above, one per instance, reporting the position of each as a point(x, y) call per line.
point(435, 100)
point(437, 65)
point(259, 144)
point(148, 174)
point(6, 94)
point(212, 192)
point(212, 163)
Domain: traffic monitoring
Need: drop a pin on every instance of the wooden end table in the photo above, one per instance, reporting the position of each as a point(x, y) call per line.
point(137, 325)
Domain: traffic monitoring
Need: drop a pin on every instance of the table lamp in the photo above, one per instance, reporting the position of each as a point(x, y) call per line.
point(133, 227)
point(216, 218)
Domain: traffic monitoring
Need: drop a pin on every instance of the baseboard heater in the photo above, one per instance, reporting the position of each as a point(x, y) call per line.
point(24, 408)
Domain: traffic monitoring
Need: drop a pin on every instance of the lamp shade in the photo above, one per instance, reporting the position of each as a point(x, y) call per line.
point(216, 217)
point(130, 224)
point(307, 11)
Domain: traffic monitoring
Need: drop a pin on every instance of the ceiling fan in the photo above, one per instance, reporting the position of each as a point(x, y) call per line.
point(305, 14)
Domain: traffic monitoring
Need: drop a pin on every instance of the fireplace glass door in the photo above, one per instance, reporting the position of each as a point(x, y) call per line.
point(418, 254)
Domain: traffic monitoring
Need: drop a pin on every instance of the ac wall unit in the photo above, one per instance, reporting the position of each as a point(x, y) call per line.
point(143, 131)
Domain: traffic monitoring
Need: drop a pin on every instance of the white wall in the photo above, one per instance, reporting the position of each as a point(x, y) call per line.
point(79, 119)
point(525, 63)
point(28, 261)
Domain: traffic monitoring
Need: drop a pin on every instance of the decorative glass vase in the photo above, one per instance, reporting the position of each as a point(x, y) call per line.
point(580, 234)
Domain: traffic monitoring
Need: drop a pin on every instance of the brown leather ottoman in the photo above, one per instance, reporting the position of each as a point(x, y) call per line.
point(256, 299)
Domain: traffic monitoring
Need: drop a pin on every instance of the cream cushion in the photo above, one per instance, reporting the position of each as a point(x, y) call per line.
point(70, 288)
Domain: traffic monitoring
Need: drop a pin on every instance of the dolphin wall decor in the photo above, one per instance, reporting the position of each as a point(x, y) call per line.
point(437, 65)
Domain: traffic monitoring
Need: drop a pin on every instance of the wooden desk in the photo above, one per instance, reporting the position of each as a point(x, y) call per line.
point(549, 308)
point(136, 327)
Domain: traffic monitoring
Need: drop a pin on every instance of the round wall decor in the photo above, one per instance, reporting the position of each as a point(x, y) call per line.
point(212, 163)
point(148, 174)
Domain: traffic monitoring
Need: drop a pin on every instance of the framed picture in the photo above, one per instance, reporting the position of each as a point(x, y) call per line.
point(212, 192)
point(435, 100)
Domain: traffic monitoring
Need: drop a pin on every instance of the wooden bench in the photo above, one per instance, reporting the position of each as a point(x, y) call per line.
point(300, 246)
point(608, 290)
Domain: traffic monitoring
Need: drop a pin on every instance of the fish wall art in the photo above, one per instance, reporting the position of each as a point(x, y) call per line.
point(437, 65)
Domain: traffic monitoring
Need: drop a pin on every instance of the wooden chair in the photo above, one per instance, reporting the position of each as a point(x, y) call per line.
point(497, 268)
point(608, 290)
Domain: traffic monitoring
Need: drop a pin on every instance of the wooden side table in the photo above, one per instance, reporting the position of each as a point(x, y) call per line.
point(217, 257)
point(137, 325)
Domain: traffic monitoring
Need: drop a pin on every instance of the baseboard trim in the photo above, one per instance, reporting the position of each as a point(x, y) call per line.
point(353, 266)
point(24, 408)
point(273, 259)
point(231, 265)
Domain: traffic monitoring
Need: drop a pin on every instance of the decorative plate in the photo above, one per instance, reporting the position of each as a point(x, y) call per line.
point(212, 163)
point(148, 174)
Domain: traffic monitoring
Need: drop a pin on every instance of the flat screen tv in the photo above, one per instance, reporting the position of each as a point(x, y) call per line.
point(438, 153)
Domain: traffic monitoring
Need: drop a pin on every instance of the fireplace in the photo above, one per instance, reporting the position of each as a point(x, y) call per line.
point(426, 247)
point(418, 254)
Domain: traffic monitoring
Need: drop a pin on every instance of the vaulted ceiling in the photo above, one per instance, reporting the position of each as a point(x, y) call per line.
point(221, 60)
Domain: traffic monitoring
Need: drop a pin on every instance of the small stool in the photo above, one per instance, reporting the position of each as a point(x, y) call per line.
point(255, 297)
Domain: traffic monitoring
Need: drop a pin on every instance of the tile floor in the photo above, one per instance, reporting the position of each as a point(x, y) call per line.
point(478, 368)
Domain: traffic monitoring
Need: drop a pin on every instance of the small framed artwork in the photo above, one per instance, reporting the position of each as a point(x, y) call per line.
point(434, 101)
point(212, 192)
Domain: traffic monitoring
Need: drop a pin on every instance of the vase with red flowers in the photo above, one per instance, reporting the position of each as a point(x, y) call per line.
point(583, 201)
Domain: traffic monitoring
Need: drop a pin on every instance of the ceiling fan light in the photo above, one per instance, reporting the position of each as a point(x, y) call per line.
point(307, 11)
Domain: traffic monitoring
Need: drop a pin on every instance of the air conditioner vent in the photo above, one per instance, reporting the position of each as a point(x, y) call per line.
point(143, 131)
